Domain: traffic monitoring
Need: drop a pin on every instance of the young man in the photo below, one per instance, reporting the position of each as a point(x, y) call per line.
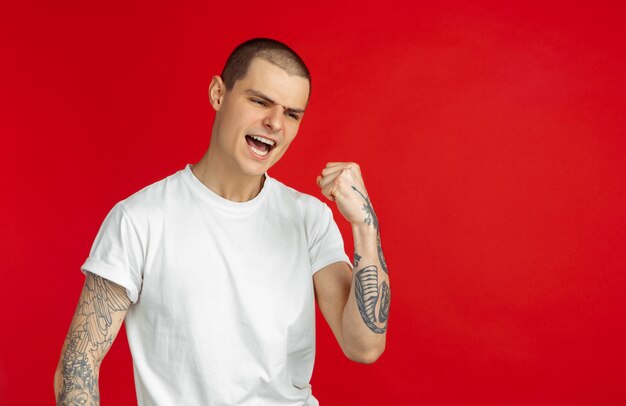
point(216, 268)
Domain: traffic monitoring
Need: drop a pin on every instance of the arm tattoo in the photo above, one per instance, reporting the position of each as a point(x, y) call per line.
point(370, 216)
point(89, 339)
point(367, 290)
point(357, 258)
point(371, 219)
point(367, 294)
point(385, 296)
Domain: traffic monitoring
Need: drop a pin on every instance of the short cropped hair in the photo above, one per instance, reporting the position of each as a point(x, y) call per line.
point(267, 49)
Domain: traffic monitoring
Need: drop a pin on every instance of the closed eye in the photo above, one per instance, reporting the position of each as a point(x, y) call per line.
point(294, 116)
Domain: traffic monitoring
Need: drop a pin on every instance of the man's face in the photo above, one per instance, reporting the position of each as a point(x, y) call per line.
point(259, 117)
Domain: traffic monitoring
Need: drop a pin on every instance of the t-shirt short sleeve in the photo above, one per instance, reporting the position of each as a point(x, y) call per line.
point(117, 253)
point(325, 242)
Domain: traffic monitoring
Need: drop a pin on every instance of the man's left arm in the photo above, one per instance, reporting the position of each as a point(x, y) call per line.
point(355, 304)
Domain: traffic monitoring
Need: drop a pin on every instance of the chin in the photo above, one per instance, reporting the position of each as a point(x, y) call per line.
point(254, 169)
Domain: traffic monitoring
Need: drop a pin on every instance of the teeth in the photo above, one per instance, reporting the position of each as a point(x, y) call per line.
point(256, 151)
point(264, 140)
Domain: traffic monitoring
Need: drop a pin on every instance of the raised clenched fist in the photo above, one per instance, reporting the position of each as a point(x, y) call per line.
point(342, 183)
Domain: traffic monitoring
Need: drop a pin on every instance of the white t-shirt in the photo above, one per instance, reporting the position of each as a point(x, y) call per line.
point(223, 302)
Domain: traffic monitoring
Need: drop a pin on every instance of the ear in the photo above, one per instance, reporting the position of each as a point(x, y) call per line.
point(216, 92)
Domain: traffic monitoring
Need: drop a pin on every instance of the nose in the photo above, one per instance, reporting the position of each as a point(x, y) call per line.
point(273, 120)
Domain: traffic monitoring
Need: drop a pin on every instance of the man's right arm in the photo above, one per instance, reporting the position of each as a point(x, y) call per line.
point(99, 315)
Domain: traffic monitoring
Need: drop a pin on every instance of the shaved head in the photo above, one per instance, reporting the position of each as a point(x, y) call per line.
point(267, 49)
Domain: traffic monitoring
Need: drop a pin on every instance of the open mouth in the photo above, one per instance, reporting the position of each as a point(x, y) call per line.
point(261, 146)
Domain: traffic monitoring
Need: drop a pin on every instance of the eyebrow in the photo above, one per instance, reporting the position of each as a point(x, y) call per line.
point(260, 95)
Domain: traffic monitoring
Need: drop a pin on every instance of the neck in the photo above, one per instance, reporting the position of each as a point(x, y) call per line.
point(226, 181)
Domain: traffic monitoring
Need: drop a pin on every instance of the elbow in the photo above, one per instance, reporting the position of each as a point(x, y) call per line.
point(366, 357)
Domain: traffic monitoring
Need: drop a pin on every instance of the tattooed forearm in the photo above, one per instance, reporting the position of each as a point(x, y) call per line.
point(370, 296)
point(98, 317)
point(371, 219)
point(367, 294)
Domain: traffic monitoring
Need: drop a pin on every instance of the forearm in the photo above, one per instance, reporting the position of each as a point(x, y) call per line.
point(100, 313)
point(85, 395)
point(76, 376)
point(367, 309)
point(76, 387)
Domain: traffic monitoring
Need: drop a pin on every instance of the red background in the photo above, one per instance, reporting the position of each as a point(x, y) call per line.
point(491, 138)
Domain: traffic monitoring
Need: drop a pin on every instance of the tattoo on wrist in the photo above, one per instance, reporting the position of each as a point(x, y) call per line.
point(371, 219)
point(370, 216)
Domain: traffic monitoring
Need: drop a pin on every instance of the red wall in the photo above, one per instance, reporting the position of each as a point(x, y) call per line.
point(491, 139)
